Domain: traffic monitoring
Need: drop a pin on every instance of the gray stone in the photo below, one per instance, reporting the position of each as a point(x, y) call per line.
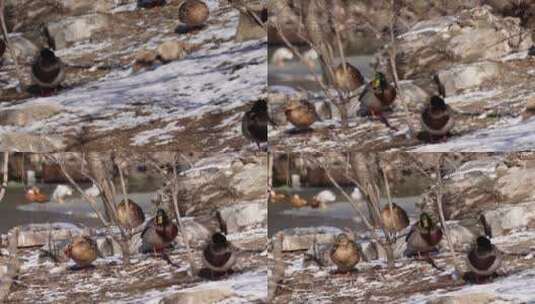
point(461, 237)
point(17, 141)
point(467, 76)
point(33, 235)
point(304, 238)
point(238, 217)
point(23, 47)
point(199, 295)
point(24, 116)
point(508, 218)
point(516, 185)
point(67, 31)
point(466, 298)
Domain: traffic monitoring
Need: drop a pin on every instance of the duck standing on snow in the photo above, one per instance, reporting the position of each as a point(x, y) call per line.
point(47, 70)
point(35, 195)
point(436, 118)
point(349, 79)
point(82, 250)
point(377, 97)
point(193, 14)
point(129, 214)
point(150, 3)
point(344, 253)
point(255, 121)
point(61, 192)
point(484, 258)
point(301, 113)
point(394, 220)
point(219, 255)
point(159, 233)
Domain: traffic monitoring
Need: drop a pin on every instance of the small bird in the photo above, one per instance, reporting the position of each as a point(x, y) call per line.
point(297, 201)
point(484, 258)
point(394, 220)
point(255, 122)
point(377, 97)
point(301, 113)
point(219, 255)
point(193, 13)
point(61, 192)
point(424, 236)
point(159, 233)
point(129, 214)
point(437, 119)
point(47, 70)
point(82, 250)
point(344, 253)
point(349, 79)
point(34, 194)
point(150, 3)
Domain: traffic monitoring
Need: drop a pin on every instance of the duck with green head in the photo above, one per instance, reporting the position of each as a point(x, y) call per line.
point(484, 258)
point(424, 236)
point(377, 97)
point(159, 233)
point(344, 253)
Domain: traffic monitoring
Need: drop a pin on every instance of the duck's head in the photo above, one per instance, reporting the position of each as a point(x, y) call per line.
point(426, 222)
point(483, 244)
point(161, 218)
point(342, 240)
point(260, 106)
point(219, 240)
point(438, 103)
point(47, 56)
point(379, 80)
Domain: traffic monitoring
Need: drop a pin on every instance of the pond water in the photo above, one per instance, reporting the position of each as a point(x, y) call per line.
point(338, 214)
point(16, 210)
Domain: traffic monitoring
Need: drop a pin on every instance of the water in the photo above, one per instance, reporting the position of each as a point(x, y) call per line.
point(338, 214)
point(16, 210)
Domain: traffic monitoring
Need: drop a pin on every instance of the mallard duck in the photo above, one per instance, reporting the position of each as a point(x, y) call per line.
point(82, 250)
point(129, 214)
point(219, 255)
point(193, 13)
point(344, 253)
point(301, 113)
point(436, 118)
point(159, 233)
point(424, 236)
point(396, 219)
point(297, 201)
point(349, 79)
point(377, 97)
point(150, 3)
point(34, 194)
point(484, 258)
point(255, 121)
point(281, 55)
point(47, 70)
point(276, 197)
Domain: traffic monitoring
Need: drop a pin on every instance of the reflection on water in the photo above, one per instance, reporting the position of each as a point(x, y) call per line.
point(338, 214)
point(16, 210)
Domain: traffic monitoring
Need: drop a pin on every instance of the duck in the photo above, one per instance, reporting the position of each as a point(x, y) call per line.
point(150, 3)
point(437, 119)
point(321, 199)
point(277, 197)
point(47, 70)
point(159, 233)
point(344, 253)
point(423, 236)
point(129, 214)
point(61, 192)
point(219, 255)
point(297, 201)
point(377, 97)
point(348, 79)
point(281, 56)
point(301, 113)
point(255, 122)
point(35, 195)
point(310, 58)
point(484, 258)
point(193, 13)
point(82, 250)
point(394, 220)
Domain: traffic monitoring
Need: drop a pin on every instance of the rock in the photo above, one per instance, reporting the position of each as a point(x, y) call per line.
point(250, 179)
point(303, 238)
point(21, 117)
point(465, 298)
point(23, 47)
point(461, 237)
point(67, 31)
point(466, 76)
point(145, 56)
point(529, 111)
point(413, 95)
point(199, 295)
point(505, 219)
point(515, 185)
point(472, 35)
point(239, 217)
point(248, 27)
point(34, 143)
point(171, 50)
point(33, 235)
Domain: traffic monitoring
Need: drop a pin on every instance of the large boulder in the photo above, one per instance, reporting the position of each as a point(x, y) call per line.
point(467, 76)
point(505, 219)
point(239, 217)
point(21, 117)
point(304, 238)
point(199, 295)
point(66, 31)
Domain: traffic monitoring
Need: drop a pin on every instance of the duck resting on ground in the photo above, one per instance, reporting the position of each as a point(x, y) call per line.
point(219, 255)
point(129, 214)
point(344, 253)
point(48, 71)
point(437, 119)
point(193, 13)
point(484, 258)
point(301, 113)
point(82, 250)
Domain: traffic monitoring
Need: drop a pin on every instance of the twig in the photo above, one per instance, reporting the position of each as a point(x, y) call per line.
point(5, 177)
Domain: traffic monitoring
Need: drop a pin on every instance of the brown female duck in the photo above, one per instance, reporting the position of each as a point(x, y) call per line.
point(129, 214)
point(344, 253)
point(396, 219)
point(301, 113)
point(82, 250)
point(193, 13)
point(47, 70)
point(484, 258)
point(348, 79)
